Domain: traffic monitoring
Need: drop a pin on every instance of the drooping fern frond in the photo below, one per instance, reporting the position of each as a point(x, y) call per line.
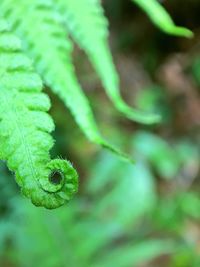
point(25, 127)
point(161, 18)
point(86, 22)
point(50, 48)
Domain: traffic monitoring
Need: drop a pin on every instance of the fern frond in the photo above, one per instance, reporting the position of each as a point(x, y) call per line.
point(88, 26)
point(47, 43)
point(25, 128)
point(161, 18)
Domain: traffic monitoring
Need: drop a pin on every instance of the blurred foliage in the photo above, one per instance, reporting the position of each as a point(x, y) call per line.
point(124, 216)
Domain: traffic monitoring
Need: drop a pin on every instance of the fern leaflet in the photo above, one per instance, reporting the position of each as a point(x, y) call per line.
point(161, 18)
point(25, 128)
point(88, 26)
point(52, 58)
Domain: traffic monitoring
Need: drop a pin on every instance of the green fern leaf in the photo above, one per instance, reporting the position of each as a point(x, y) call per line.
point(52, 58)
point(88, 26)
point(25, 128)
point(161, 18)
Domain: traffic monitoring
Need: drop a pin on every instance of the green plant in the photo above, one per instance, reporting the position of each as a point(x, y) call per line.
point(25, 126)
point(118, 219)
point(81, 234)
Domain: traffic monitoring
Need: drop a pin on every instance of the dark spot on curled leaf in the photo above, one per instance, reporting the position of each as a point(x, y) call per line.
point(56, 177)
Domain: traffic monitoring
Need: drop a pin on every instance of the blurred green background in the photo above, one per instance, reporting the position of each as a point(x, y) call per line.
point(145, 215)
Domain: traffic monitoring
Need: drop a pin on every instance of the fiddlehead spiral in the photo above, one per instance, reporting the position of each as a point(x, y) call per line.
point(25, 127)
